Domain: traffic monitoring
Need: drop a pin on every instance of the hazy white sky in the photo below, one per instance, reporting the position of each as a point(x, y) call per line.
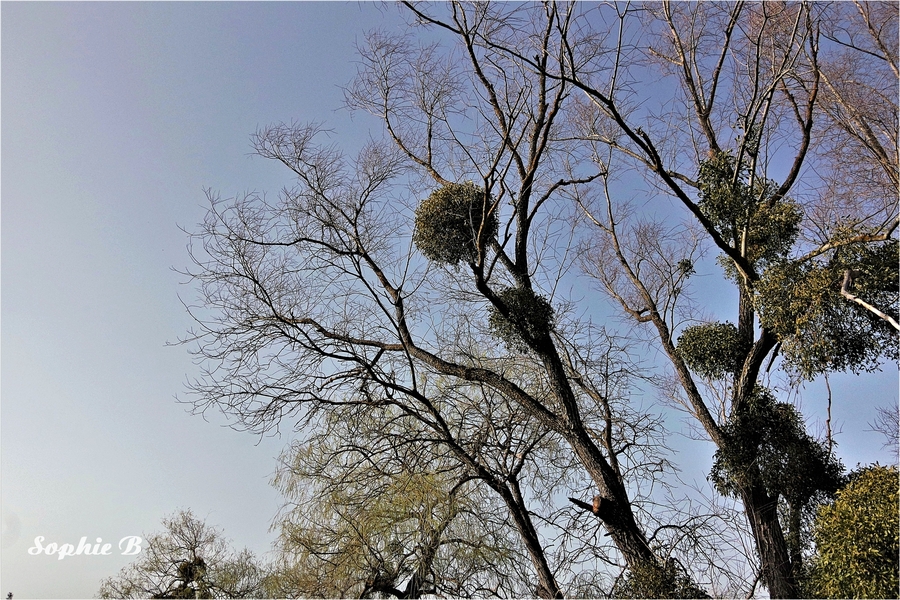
point(115, 116)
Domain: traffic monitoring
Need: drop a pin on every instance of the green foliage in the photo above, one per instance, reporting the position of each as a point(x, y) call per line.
point(452, 221)
point(746, 214)
point(354, 540)
point(364, 517)
point(713, 349)
point(819, 329)
point(655, 581)
point(767, 444)
point(858, 539)
point(530, 317)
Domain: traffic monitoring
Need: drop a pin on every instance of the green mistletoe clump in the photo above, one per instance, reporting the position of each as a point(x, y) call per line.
point(713, 349)
point(454, 223)
point(530, 317)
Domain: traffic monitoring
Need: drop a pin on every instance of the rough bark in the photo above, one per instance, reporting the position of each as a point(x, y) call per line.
point(777, 570)
point(761, 508)
point(617, 516)
point(547, 586)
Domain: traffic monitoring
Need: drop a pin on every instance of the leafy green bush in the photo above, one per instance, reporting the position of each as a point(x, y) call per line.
point(767, 440)
point(713, 349)
point(452, 220)
point(858, 539)
point(819, 329)
point(658, 581)
point(767, 446)
point(530, 317)
point(746, 214)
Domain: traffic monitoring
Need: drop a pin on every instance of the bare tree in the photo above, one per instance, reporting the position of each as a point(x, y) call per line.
point(749, 78)
point(505, 164)
point(382, 509)
point(320, 298)
point(887, 423)
point(486, 437)
point(860, 137)
point(190, 559)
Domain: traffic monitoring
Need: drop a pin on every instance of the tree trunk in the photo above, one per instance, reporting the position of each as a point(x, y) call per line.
point(615, 507)
point(760, 508)
point(777, 570)
point(547, 586)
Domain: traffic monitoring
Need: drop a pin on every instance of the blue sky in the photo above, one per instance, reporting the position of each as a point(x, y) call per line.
point(115, 117)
